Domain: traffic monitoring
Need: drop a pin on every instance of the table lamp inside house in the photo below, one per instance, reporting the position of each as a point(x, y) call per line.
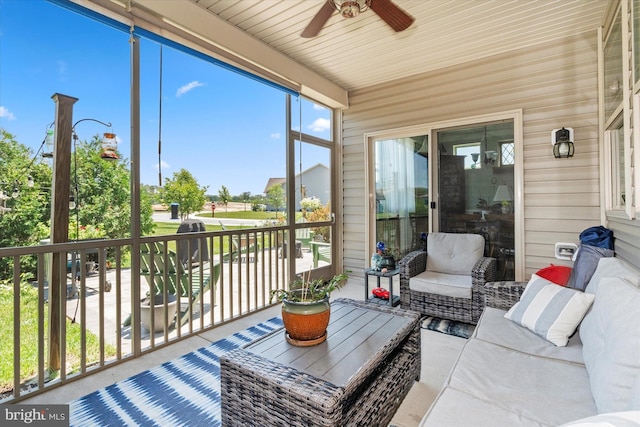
point(503, 195)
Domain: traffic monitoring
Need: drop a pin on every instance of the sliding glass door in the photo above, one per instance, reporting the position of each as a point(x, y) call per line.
point(401, 192)
point(475, 187)
point(451, 177)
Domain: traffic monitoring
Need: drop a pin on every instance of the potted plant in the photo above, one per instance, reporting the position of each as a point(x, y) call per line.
point(306, 309)
point(158, 311)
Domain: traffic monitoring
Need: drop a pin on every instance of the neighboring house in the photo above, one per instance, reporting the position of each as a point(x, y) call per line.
point(272, 182)
point(314, 181)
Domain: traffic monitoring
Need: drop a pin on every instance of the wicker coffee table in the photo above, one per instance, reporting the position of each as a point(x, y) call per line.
point(357, 377)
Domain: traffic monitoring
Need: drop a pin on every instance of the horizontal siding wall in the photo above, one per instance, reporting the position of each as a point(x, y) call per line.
point(626, 235)
point(554, 84)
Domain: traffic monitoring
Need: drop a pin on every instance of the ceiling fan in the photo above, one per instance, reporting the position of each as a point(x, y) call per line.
point(395, 17)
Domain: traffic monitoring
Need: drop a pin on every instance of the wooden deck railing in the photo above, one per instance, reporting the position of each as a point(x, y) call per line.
point(101, 284)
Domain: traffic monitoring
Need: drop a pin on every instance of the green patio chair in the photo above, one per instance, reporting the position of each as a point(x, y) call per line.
point(162, 270)
point(242, 247)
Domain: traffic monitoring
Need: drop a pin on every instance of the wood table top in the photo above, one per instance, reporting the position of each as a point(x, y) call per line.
point(358, 337)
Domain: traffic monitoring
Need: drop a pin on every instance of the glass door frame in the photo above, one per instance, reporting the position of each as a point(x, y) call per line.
point(431, 130)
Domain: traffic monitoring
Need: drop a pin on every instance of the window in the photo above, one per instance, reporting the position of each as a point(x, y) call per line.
point(615, 143)
point(507, 153)
point(613, 68)
point(619, 124)
point(472, 153)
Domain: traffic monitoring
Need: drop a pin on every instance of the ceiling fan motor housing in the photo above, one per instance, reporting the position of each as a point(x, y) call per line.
point(351, 9)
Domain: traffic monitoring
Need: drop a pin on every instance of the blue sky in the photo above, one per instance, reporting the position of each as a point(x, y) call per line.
point(222, 127)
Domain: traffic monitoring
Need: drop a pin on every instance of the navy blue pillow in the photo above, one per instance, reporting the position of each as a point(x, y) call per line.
point(598, 236)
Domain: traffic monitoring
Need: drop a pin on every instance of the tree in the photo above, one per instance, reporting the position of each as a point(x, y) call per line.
point(245, 197)
point(184, 190)
point(28, 220)
point(224, 197)
point(275, 196)
point(104, 193)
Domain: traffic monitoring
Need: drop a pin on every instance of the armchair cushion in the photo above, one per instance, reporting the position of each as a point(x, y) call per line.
point(451, 285)
point(452, 253)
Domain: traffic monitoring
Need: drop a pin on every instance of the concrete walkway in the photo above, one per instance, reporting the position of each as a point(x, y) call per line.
point(160, 216)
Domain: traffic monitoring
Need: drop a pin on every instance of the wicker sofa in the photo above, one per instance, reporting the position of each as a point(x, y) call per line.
point(447, 280)
point(507, 375)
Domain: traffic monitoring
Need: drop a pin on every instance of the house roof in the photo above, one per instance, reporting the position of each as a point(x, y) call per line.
point(281, 181)
point(274, 181)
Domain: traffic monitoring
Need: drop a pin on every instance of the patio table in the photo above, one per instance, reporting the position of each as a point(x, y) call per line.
point(358, 376)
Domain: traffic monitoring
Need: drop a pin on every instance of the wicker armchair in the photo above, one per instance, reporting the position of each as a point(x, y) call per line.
point(462, 309)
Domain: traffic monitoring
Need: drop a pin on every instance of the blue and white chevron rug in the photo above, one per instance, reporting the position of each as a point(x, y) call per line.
point(182, 392)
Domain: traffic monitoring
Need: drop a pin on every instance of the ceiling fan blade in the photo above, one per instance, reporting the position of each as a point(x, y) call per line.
point(319, 20)
point(397, 18)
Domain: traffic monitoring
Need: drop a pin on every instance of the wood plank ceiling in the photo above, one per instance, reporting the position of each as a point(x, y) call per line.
point(363, 51)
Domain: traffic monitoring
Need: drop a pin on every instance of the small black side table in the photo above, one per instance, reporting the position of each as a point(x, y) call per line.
point(393, 300)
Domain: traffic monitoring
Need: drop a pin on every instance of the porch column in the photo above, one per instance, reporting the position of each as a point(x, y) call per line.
point(60, 184)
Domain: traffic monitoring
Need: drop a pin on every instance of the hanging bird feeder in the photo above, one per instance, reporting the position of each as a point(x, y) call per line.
point(109, 146)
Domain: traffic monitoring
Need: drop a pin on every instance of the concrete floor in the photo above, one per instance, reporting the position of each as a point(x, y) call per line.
point(354, 289)
point(439, 352)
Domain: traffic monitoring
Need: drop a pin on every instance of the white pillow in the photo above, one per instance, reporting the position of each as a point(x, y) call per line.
point(549, 310)
point(612, 419)
point(611, 344)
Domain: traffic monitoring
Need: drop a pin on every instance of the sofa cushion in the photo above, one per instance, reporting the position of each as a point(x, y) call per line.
point(617, 419)
point(453, 253)
point(493, 327)
point(611, 339)
point(549, 391)
point(455, 408)
point(610, 267)
point(451, 285)
point(549, 310)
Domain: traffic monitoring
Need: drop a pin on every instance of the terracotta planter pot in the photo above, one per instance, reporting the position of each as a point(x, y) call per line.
point(306, 322)
point(158, 319)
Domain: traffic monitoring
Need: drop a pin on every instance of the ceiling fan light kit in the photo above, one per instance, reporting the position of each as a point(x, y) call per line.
point(350, 9)
point(395, 17)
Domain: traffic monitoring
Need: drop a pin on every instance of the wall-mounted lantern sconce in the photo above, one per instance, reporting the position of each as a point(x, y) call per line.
point(562, 141)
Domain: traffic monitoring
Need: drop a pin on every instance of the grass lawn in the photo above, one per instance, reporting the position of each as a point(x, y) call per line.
point(28, 353)
point(220, 213)
point(168, 228)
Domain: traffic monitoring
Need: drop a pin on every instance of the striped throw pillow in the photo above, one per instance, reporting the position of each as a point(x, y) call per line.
point(549, 310)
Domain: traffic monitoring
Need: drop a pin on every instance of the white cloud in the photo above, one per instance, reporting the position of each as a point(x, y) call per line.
point(164, 165)
point(320, 125)
point(318, 107)
point(188, 87)
point(275, 135)
point(6, 114)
